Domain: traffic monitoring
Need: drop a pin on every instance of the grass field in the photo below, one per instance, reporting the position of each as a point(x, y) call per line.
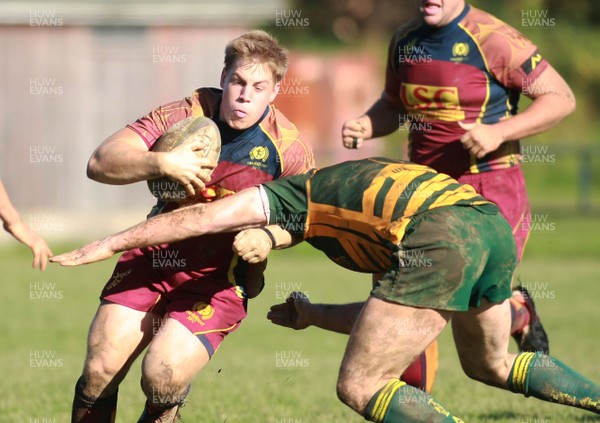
point(268, 374)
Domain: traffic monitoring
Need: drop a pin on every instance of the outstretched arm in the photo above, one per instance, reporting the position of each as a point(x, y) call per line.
point(230, 214)
point(13, 224)
point(298, 313)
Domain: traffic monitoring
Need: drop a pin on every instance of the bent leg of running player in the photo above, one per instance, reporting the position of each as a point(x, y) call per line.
point(481, 338)
point(190, 334)
point(124, 324)
point(116, 337)
point(415, 303)
point(379, 349)
point(422, 372)
point(506, 188)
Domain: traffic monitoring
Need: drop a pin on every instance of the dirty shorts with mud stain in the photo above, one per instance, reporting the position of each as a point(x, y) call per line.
point(450, 258)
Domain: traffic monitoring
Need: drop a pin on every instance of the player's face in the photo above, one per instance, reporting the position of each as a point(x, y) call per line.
point(247, 90)
point(438, 13)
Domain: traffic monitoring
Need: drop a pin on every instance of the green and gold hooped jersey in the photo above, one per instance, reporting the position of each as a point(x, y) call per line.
point(358, 211)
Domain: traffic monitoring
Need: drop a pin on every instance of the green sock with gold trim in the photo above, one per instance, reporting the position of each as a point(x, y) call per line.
point(546, 378)
point(399, 402)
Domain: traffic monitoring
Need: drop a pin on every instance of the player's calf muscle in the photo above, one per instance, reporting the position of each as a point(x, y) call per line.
point(97, 385)
point(481, 336)
point(103, 372)
point(99, 371)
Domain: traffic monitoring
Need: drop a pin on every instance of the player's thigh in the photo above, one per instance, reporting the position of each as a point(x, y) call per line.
point(385, 340)
point(482, 337)
point(196, 324)
point(117, 335)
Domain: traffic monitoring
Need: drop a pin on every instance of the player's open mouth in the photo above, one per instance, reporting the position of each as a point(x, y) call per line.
point(430, 8)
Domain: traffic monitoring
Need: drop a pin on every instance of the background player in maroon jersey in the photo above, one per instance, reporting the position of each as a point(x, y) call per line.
point(454, 76)
point(196, 291)
point(12, 223)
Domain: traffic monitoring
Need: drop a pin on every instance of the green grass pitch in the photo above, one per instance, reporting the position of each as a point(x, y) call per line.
point(267, 374)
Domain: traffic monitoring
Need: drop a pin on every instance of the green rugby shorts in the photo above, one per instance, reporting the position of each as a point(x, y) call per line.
point(450, 258)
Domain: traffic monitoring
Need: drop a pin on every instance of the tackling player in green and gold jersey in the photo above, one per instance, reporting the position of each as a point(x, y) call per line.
point(374, 215)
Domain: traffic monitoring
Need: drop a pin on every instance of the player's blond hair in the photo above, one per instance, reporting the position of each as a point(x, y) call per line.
point(257, 46)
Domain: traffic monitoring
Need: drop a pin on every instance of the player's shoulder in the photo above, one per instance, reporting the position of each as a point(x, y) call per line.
point(485, 20)
point(208, 93)
point(205, 101)
point(201, 102)
point(491, 33)
point(276, 125)
point(510, 56)
point(295, 152)
point(276, 117)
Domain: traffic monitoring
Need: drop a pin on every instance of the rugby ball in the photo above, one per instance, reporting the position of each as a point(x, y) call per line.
point(192, 129)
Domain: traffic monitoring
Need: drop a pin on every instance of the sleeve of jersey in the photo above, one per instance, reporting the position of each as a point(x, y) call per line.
point(391, 91)
point(512, 58)
point(151, 126)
